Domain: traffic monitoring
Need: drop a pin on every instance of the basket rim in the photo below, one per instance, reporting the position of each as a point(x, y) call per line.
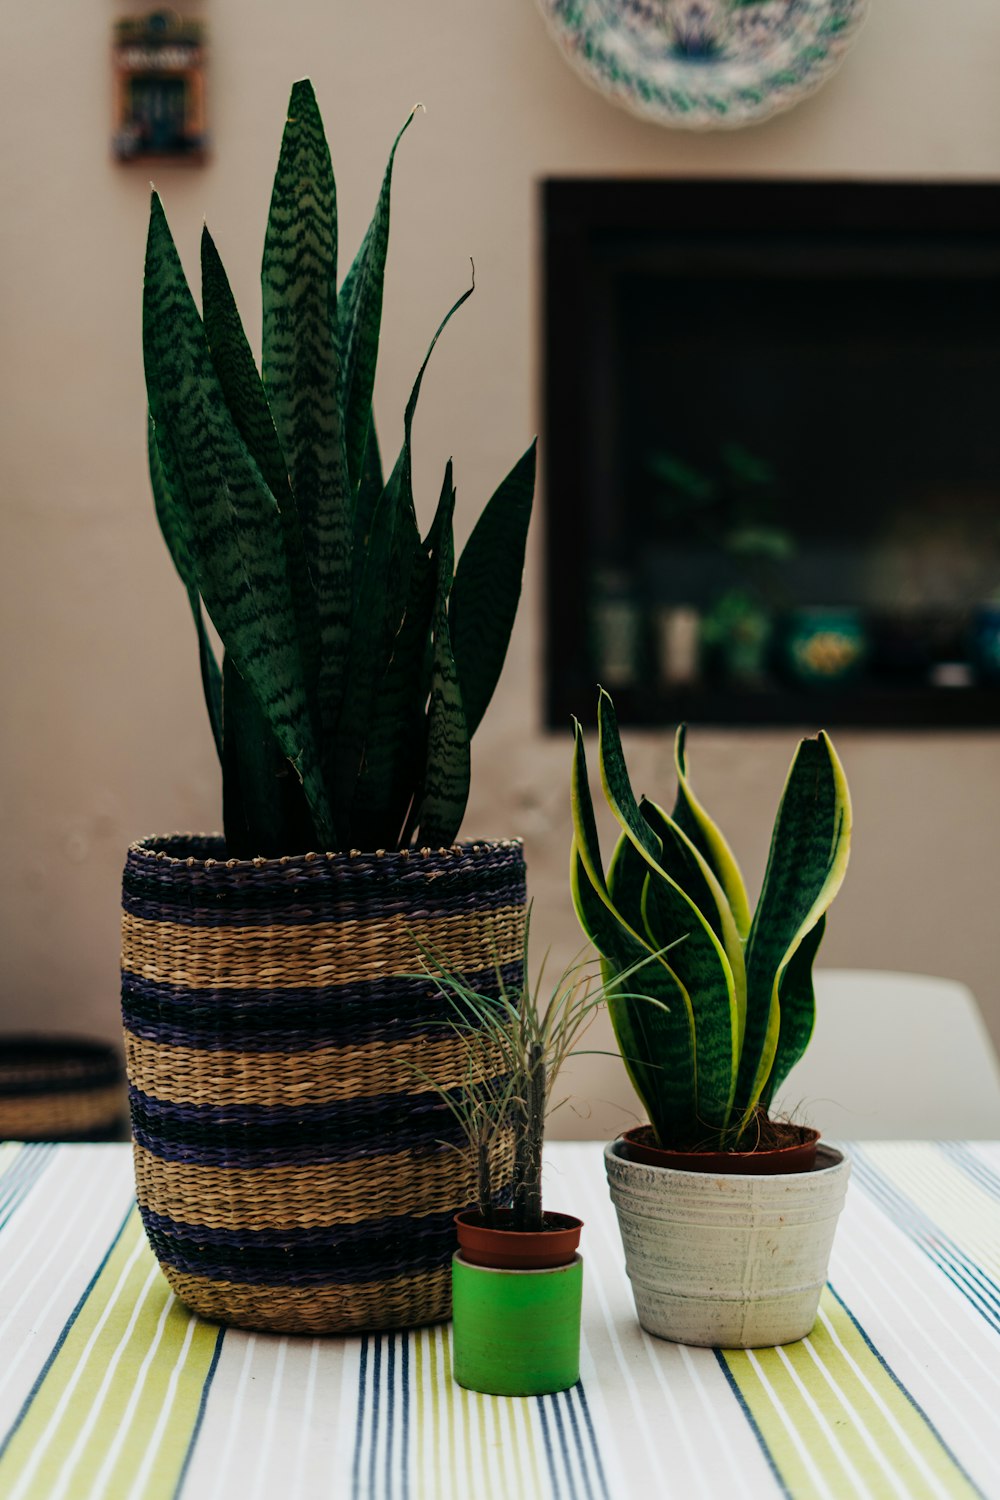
point(147, 849)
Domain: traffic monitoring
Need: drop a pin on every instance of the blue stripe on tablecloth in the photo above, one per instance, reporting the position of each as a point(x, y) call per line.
point(744, 1407)
point(979, 1171)
point(591, 1439)
point(360, 1421)
point(549, 1454)
point(564, 1449)
point(67, 1327)
point(20, 1178)
point(383, 1418)
point(200, 1417)
point(975, 1285)
point(563, 1417)
point(376, 1400)
point(405, 1423)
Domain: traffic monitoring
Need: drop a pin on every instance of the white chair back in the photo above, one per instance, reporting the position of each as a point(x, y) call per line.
point(895, 1057)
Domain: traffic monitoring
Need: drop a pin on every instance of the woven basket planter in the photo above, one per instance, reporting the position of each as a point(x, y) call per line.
point(293, 1171)
point(60, 1088)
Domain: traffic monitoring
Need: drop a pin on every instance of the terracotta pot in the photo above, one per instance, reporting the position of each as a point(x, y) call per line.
point(517, 1249)
point(732, 1261)
point(799, 1156)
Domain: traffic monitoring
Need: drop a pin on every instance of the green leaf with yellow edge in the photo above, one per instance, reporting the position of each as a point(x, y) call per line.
point(707, 837)
point(656, 1041)
point(810, 847)
point(796, 1011)
point(700, 962)
point(687, 867)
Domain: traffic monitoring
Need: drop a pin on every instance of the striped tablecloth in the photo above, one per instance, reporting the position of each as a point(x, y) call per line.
point(109, 1387)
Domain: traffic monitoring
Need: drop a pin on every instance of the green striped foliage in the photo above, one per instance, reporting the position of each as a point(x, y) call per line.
point(724, 1007)
point(358, 660)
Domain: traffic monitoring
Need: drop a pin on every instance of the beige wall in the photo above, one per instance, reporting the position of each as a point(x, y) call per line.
point(103, 730)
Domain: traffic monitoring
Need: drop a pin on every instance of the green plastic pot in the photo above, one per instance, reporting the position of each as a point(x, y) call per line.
point(516, 1333)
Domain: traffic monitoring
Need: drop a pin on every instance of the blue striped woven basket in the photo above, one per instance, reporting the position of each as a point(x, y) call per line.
point(293, 1171)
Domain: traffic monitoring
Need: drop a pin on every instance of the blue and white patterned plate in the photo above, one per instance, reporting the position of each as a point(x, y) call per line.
point(705, 64)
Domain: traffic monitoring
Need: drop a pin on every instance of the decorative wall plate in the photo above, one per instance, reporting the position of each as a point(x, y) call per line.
point(705, 64)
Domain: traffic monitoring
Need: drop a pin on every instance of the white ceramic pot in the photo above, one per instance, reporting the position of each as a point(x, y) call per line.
point(733, 1262)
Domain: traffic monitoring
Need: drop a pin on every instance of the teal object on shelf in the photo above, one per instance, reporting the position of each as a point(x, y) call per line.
point(825, 646)
point(516, 1333)
point(985, 642)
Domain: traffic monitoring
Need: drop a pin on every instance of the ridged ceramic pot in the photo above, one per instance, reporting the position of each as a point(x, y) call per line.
point(294, 1172)
point(732, 1262)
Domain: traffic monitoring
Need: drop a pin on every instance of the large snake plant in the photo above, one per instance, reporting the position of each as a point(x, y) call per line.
point(729, 1009)
point(358, 660)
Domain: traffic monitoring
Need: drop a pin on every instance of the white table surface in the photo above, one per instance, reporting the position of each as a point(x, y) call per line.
point(110, 1388)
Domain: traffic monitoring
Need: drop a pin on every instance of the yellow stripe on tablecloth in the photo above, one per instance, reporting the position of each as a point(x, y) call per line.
point(836, 1423)
point(108, 1418)
point(467, 1443)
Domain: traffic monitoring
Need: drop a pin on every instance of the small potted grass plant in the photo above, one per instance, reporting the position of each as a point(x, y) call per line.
point(517, 1278)
point(727, 1216)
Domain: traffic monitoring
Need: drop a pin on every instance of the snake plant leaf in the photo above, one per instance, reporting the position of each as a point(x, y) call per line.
point(810, 847)
point(644, 1032)
point(657, 1042)
point(797, 1011)
point(447, 772)
point(370, 487)
point(244, 393)
point(688, 869)
point(395, 752)
point(301, 371)
point(390, 552)
point(232, 522)
point(700, 962)
point(359, 318)
point(400, 481)
point(488, 586)
point(389, 559)
point(667, 1037)
point(173, 522)
point(694, 821)
point(263, 803)
point(237, 372)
